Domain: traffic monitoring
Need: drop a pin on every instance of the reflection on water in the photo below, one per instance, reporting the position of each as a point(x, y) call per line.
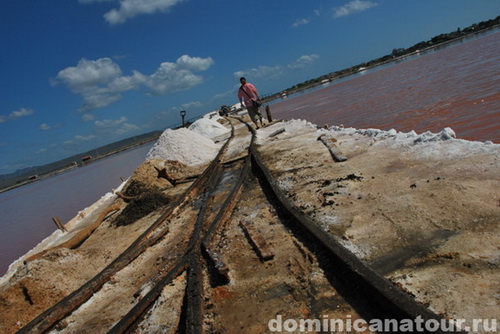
point(27, 211)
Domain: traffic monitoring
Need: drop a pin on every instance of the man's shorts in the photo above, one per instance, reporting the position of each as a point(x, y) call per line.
point(254, 112)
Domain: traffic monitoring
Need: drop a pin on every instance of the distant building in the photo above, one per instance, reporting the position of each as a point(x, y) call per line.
point(87, 158)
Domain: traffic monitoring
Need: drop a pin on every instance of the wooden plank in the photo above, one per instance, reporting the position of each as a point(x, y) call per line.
point(277, 132)
point(257, 241)
point(334, 151)
point(59, 224)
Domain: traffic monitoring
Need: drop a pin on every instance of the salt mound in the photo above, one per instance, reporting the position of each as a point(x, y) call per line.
point(410, 137)
point(209, 128)
point(185, 146)
point(291, 127)
point(445, 134)
point(298, 124)
point(213, 116)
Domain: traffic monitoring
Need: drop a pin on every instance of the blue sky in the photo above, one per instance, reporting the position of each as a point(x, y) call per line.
point(78, 74)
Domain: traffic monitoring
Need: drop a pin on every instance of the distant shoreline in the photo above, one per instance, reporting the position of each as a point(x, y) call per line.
point(69, 168)
point(337, 75)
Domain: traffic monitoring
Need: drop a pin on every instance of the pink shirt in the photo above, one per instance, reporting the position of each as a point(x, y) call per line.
point(250, 90)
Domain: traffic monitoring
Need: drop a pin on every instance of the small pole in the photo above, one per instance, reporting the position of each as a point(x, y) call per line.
point(183, 114)
point(268, 113)
point(59, 225)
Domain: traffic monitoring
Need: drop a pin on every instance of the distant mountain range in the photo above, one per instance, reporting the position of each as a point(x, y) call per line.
point(25, 175)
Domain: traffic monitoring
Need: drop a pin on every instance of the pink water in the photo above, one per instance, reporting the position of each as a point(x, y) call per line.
point(27, 211)
point(457, 87)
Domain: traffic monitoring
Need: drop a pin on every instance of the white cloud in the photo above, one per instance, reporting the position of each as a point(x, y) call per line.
point(260, 72)
point(84, 138)
point(87, 117)
point(192, 105)
point(131, 8)
point(178, 76)
point(88, 74)
point(100, 82)
point(96, 100)
point(118, 126)
point(194, 63)
point(125, 128)
point(42, 150)
point(353, 7)
point(303, 61)
point(23, 112)
point(300, 22)
point(168, 78)
point(45, 127)
point(124, 83)
point(274, 71)
point(107, 123)
point(80, 138)
point(306, 20)
point(93, 80)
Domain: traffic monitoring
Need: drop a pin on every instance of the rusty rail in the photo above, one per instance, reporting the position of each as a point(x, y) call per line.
point(387, 300)
point(190, 261)
point(46, 320)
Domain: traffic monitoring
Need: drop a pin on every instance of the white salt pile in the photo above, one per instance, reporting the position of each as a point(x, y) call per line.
point(295, 125)
point(445, 134)
point(185, 146)
point(210, 128)
point(291, 127)
point(408, 137)
point(443, 144)
point(427, 144)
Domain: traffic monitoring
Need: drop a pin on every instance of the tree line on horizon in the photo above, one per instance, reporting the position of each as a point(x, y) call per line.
point(25, 175)
point(396, 53)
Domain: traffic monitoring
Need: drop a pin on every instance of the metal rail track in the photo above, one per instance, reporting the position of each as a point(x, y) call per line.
point(47, 320)
point(383, 299)
point(361, 288)
point(192, 261)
